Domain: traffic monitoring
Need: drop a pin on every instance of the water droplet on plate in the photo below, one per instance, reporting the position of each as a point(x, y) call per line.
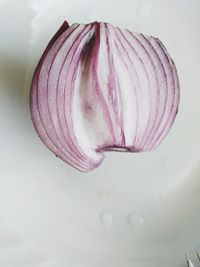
point(106, 219)
point(135, 219)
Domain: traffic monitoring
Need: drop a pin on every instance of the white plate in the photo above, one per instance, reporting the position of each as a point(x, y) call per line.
point(135, 209)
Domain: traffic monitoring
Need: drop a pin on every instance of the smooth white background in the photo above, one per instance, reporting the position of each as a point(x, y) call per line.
point(135, 209)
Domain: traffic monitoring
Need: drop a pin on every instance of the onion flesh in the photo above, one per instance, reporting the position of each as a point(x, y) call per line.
point(99, 88)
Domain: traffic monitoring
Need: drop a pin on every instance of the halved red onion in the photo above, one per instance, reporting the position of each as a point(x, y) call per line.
point(100, 88)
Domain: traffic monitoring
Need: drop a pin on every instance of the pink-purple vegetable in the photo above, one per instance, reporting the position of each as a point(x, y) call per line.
point(99, 88)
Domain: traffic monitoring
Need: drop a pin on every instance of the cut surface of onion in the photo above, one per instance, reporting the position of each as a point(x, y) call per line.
point(100, 88)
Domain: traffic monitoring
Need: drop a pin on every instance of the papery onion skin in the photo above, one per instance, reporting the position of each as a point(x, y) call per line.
point(99, 88)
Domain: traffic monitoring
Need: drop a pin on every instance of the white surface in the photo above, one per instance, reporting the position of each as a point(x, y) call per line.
point(135, 209)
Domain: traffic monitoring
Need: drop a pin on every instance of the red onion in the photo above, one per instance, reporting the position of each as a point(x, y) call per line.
point(100, 88)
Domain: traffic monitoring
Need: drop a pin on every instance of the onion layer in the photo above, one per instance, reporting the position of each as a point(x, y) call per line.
point(100, 88)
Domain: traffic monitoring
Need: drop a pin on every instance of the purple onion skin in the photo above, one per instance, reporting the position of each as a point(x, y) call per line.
point(99, 88)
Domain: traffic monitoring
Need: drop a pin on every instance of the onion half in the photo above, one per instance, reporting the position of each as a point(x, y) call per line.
point(100, 88)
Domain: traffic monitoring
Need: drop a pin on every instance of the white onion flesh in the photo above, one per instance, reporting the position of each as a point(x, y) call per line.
point(99, 88)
